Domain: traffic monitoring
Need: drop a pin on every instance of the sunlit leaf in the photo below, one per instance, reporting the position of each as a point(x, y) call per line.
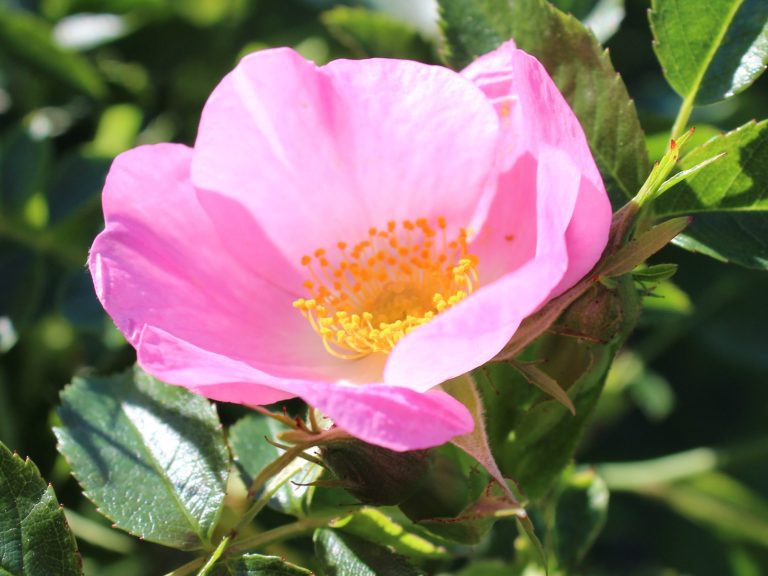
point(342, 554)
point(151, 456)
point(729, 198)
point(375, 526)
point(710, 50)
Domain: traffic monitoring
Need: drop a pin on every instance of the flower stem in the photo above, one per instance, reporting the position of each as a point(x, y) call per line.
point(284, 532)
point(188, 568)
point(683, 115)
point(217, 554)
point(273, 469)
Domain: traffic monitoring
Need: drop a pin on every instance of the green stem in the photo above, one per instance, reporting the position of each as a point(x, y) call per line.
point(274, 468)
point(683, 115)
point(298, 528)
point(188, 568)
point(217, 554)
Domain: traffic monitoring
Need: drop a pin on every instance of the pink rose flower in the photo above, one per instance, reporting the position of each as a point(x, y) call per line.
point(354, 234)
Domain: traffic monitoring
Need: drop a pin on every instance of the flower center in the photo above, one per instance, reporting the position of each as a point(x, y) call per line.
point(384, 287)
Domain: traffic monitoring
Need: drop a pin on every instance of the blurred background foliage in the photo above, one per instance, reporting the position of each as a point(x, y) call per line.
point(680, 435)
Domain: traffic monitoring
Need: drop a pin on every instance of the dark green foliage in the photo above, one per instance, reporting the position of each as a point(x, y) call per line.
point(34, 536)
point(580, 514)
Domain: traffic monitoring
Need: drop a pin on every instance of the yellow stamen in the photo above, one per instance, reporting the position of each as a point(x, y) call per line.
point(365, 300)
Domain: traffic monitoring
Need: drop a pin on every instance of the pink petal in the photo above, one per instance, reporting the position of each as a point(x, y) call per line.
point(319, 155)
point(396, 418)
point(215, 376)
point(160, 262)
point(474, 331)
point(382, 415)
point(507, 238)
point(521, 89)
point(587, 233)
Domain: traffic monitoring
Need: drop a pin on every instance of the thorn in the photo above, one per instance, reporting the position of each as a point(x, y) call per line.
point(300, 424)
point(672, 144)
point(276, 444)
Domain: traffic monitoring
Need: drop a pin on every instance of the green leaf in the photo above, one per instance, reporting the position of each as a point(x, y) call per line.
point(375, 526)
point(729, 198)
point(34, 536)
point(718, 502)
point(580, 514)
point(346, 555)
point(710, 51)
point(655, 273)
point(643, 246)
point(29, 39)
point(368, 33)
point(542, 434)
point(579, 66)
point(151, 456)
point(666, 297)
point(603, 17)
point(453, 482)
point(737, 238)
point(253, 453)
point(736, 183)
point(258, 565)
point(545, 383)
